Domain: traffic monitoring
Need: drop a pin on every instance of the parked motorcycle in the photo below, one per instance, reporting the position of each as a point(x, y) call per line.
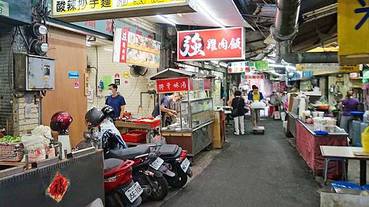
point(175, 159)
point(147, 171)
point(120, 189)
point(148, 168)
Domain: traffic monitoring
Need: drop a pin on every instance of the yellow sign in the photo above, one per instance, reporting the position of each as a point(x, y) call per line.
point(328, 68)
point(353, 31)
point(79, 9)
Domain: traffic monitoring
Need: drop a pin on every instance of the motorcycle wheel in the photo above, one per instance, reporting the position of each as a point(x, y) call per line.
point(179, 180)
point(159, 188)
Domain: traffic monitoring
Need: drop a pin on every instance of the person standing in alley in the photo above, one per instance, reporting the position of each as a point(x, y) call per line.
point(238, 113)
point(275, 102)
point(348, 104)
point(116, 101)
point(255, 96)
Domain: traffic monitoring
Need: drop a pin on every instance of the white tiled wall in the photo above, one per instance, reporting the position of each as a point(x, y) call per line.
point(130, 88)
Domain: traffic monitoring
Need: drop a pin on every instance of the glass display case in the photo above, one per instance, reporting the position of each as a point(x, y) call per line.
point(196, 112)
point(192, 129)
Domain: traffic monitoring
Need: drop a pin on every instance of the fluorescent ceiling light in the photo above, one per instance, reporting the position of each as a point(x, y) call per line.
point(207, 12)
point(166, 20)
point(285, 66)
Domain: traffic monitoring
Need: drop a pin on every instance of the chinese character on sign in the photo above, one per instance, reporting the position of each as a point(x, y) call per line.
point(94, 3)
point(223, 44)
point(235, 43)
point(105, 3)
point(212, 44)
point(168, 86)
point(60, 6)
point(363, 9)
point(124, 36)
point(176, 85)
point(81, 4)
point(71, 5)
point(184, 85)
point(192, 45)
point(161, 87)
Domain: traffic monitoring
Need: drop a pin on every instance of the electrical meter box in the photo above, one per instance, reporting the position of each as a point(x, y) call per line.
point(33, 73)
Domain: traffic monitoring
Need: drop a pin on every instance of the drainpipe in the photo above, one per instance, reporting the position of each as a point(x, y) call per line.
point(286, 27)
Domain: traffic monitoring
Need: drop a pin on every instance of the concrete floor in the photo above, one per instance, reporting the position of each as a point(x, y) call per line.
point(252, 170)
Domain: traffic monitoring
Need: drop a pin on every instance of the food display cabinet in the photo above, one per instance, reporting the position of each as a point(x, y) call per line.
point(193, 127)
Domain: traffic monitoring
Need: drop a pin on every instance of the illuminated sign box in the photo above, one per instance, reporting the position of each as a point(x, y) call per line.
point(85, 10)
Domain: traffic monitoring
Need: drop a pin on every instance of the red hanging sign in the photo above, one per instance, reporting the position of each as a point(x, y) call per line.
point(124, 45)
point(58, 187)
point(173, 85)
point(211, 44)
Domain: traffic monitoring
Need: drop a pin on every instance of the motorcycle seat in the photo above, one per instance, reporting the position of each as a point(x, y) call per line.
point(111, 163)
point(165, 149)
point(129, 153)
point(169, 149)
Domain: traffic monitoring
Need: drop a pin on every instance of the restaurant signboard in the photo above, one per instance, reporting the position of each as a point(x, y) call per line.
point(171, 85)
point(211, 44)
point(86, 10)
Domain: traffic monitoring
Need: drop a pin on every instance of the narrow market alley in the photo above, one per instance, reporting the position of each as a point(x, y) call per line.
point(253, 170)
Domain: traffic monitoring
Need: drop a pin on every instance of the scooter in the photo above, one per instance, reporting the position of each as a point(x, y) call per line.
point(175, 159)
point(147, 171)
point(120, 189)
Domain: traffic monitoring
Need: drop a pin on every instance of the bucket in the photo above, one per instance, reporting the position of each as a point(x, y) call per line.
point(365, 140)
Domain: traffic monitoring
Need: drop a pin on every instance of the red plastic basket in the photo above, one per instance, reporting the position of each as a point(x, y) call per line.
point(135, 136)
point(153, 124)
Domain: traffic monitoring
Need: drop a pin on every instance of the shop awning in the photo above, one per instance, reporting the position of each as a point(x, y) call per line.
point(171, 73)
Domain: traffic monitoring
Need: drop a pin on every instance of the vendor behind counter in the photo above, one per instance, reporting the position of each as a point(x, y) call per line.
point(348, 105)
point(167, 108)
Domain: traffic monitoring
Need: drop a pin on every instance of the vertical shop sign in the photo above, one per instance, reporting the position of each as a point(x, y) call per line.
point(211, 44)
point(173, 85)
point(353, 31)
point(4, 8)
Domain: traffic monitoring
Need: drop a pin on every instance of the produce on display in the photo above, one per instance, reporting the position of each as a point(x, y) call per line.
point(10, 140)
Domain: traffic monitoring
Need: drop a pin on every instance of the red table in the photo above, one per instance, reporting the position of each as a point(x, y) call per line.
point(308, 145)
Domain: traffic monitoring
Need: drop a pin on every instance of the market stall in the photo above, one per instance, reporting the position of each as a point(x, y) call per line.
point(308, 143)
point(312, 125)
point(193, 127)
point(34, 167)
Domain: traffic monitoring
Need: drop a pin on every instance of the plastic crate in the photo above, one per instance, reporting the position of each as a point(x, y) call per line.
point(153, 124)
point(135, 136)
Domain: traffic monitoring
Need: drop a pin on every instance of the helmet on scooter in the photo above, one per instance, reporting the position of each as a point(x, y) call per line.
point(108, 111)
point(94, 117)
point(61, 121)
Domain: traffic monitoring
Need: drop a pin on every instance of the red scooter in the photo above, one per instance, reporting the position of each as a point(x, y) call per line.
point(120, 189)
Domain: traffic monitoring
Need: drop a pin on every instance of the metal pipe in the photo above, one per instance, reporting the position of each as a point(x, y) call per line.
point(286, 27)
